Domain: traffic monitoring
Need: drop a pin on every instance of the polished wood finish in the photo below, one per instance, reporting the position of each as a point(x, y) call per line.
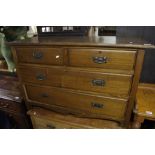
point(50, 56)
point(104, 83)
point(138, 68)
point(84, 80)
point(118, 42)
point(41, 75)
point(9, 88)
point(11, 101)
point(69, 68)
point(92, 72)
point(145, 104)
point(44, 119)
point(114, 108)
point(7, 105)
point(115, 59)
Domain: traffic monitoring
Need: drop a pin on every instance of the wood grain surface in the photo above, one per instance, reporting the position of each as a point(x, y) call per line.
point(77, 100)
point(45, 119)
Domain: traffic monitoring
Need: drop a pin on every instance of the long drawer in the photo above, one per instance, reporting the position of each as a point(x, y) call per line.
point(40, 55)
point(100, 58)
point(90, 103)
point(45, 119)
point(107, 83)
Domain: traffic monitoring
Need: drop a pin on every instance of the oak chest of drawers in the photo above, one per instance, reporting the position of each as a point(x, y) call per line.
point(82, 76)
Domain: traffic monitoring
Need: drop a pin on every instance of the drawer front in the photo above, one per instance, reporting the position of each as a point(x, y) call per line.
point(108, 84)
point(41, 75)
point(41, 123)
point(98, 58)
point(44, 119)
point(10, 106)
point(90, 103)
point(48, 56)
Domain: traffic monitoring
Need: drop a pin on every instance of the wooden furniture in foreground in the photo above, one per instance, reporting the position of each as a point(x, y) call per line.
point(3, 64)
point(145, 104)
point(12, 109)
point(42, 119)
point(86, 77)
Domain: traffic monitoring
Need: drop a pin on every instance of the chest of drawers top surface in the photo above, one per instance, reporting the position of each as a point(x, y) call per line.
point(86, 41)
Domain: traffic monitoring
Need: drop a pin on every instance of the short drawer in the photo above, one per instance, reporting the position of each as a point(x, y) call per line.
point(41, 75)
point(100, 105)
point(100, 58)
point(107, 84)
point(48, 56)
point(45, 119)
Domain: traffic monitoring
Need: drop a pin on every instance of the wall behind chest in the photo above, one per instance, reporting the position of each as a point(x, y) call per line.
point(145, 33)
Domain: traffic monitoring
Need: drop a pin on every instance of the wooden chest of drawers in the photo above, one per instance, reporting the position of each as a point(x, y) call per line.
point(81, 76)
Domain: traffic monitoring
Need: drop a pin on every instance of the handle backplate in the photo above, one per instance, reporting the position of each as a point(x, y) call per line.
point(40, 77)
point(99, 60)
point(98, 82)
point(97, 105)
point(38, 55)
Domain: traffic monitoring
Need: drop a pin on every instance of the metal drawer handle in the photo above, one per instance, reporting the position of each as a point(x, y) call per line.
point(98, 82)
point(100, 60)
point(44, 95)
point(40, 77)
point(37, 55)
point(97, 105)
point(49, 126)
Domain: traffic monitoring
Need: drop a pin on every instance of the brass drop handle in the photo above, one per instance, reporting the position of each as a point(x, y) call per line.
point(97, 105)
point(37, 55)
point(98, 82)
point(40, 77)
point(50, 126)
point(99, 60)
